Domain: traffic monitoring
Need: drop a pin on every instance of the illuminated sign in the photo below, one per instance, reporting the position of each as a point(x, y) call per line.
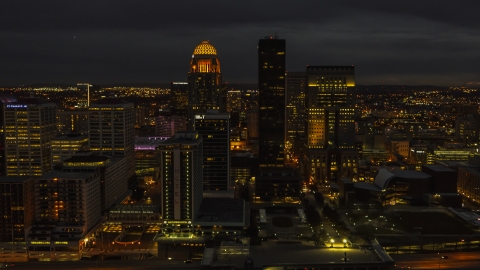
point(177, 222)
point(200, 116)
point(16, 106)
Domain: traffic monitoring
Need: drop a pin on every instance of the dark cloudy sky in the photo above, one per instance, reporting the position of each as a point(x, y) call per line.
point(134, 41)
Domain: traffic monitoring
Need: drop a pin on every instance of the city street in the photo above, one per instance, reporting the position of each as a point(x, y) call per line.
point(108, 264)
point(463, 260)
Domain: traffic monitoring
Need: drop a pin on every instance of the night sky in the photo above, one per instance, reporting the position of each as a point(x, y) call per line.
point(122, 41)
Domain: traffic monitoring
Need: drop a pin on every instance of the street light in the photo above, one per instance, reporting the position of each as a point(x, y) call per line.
point(344, 243)
point(332, 241)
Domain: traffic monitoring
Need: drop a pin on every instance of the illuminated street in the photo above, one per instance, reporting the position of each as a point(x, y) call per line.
point(464, 260)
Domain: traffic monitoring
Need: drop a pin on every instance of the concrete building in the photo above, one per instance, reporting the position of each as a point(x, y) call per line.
point(182, 179)
point(67, 207)
point(444, 179)
point(17, 212)
point(111, 124)
point(65, 146)
point(167, 123)
point(277, 185)
point(30, 125)
point(234, 101)
point(75, 121)
point(113, 175)
point(469, 183)
point(397, 149)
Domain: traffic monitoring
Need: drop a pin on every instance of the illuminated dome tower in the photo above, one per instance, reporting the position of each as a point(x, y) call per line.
point(205, 82)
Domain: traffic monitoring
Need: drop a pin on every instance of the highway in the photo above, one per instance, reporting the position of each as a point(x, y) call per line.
point(457, 260)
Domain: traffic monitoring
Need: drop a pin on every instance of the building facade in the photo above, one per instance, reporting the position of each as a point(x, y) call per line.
point(271, 88)
point(330, 126)
point(111, 125)
point(215, 130)
point(30, 126)
point(182, 178)
point(295, 114)
point(65, 146)
point(206, 91)
point(113, 175)
point(179, 95)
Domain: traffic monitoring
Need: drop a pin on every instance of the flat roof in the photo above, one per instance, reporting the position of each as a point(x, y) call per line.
point(14, 179)
point(410, 174)
point(68, 175)
point(86, 158)
point(438, 168)
point(220, 210)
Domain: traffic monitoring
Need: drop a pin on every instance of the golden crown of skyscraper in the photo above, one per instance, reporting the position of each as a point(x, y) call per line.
point(205, 48)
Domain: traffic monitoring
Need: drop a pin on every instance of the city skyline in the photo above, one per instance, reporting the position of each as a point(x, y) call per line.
point(406, 42)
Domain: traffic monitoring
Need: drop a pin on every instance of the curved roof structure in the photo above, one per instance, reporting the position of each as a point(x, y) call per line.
point(205, 48)
point(382, 178)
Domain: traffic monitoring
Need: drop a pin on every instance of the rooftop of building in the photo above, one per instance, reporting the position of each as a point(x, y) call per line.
point(332, 68)
point(67, 175)
point(205, 48)
point(183, 137)
point(438, 168)
point(87, 156)
point(455, 163)
point(29, 101)
point(14, 179)
point(221, 210)
point(148, 143)
point(411, 174)
point(137, 208)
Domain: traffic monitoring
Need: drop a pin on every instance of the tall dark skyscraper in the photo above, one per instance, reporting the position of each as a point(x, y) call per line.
point(271, 88)
point(205, 82)
point(215, 130)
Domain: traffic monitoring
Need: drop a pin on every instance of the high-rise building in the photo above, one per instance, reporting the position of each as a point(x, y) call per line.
point(30, 126)
point(234, 100)
point(73, 121)
point(111, 123)
point(182, 174)
point(17, 208)
point(113, 177)
point(271, 88)
point(65, 146)
point(206, 91)
point(215, 130)
point(85, 96)
point(295, 114)
point(330, 105)
point(167, 123)
point(330, 126)
point(67, 207)
point(4, 100)
point(17, 212)
point(467, 129)
point(179, 95)
point(252, 124)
